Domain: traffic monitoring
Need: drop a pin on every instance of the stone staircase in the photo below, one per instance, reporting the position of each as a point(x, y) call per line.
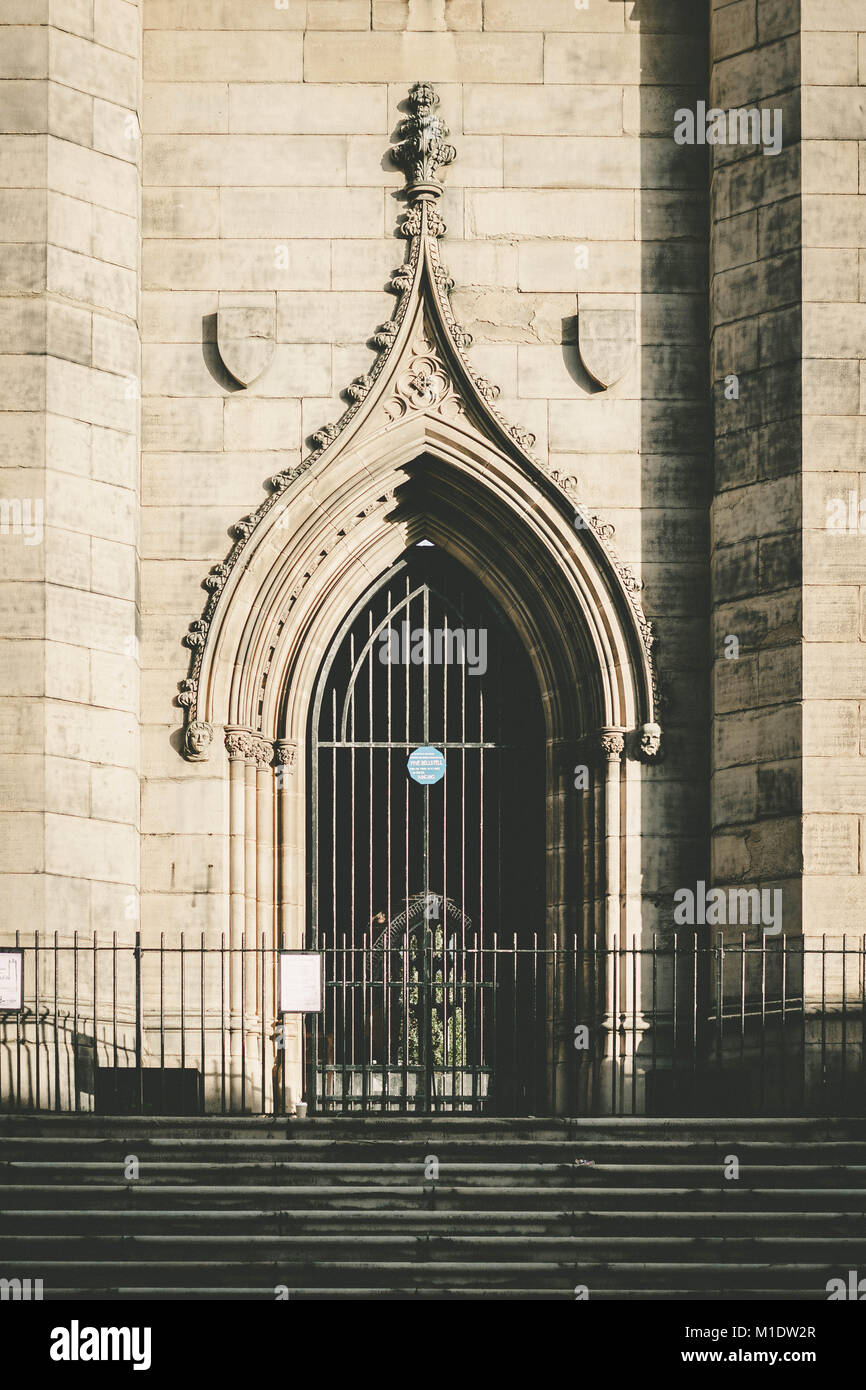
point(329, 1208)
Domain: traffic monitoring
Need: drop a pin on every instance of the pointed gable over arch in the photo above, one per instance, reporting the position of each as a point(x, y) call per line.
point(421, 443)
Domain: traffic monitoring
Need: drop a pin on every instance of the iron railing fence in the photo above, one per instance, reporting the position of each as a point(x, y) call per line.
point(672, 1027)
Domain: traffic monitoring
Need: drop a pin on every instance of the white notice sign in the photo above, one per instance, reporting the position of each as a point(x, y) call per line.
point(301, 982)
point(11, 977)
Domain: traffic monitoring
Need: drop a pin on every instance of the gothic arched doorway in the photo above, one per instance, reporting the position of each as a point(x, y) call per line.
point(427, 896)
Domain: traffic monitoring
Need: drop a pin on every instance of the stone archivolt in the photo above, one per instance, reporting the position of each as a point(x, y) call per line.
point(421, 397)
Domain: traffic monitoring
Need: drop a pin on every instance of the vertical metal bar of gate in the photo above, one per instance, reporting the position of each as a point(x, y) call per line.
point(56, 1034)
point(36, 1012)
point(162, 1019)
point(114, 1009)
point(75, 1043)
point(862, 982)
point(139, 1063)
point(222, 1023)
point(494, 985)
point(844, 1018)
point(203, 1076)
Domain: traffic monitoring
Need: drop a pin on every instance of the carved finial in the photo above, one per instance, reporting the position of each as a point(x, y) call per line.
point(423, 149)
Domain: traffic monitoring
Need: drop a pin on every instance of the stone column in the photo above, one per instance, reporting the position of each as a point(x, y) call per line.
point(239, 747)
point(69, 433)
point(285, 753)
point(609, 747)
point(288, 1072)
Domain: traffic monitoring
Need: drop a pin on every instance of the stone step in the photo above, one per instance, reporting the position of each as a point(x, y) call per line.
point(37, 1225)
point(641, 1128)
point(341, 1209)
point(90, 1149)
point(810, 1277)
point(128, 1197)
point(290, 1172)
point(457, 1293)
point(431, 1248)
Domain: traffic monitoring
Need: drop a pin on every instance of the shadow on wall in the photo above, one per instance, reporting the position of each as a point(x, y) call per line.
point(672, 227)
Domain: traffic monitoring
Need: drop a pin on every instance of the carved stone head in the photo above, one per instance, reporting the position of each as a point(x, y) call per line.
point(197, 740)
point(650, 740)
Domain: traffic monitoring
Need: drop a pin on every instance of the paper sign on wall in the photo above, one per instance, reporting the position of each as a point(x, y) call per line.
point(11, 979)
point(301, 982)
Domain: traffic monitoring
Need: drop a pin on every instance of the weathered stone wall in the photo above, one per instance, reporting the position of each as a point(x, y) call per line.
point(834, 450)
point(787, 319)
point(266, 179)
point(69, 414)
point(756, 525)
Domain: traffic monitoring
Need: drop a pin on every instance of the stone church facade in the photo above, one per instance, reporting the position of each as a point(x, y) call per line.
point(288, 289)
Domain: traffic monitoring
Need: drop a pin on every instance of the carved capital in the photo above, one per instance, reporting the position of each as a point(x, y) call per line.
point(262, 751)
point(610, 744)
point(239, 744)
point(423, 147)
point(285, 752)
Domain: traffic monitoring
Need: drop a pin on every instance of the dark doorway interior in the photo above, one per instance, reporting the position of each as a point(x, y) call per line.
point(420, 892)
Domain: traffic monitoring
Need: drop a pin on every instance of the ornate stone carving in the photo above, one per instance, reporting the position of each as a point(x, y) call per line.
point(261, 751)
point(243, 745)
point(280, 481)
point(443, 280)
point(197, 633)
point(604, 528)
point(525, 438)
point(446, 384)
point(239, 745)
point(325, 436)
point(197, 739)
point(359, 389)
point(611, 744)
point(285, 752)
point(423, 147)
point(217, 577)
point(425, 384)
point(188, 693)
point(401, 279)
point(414, 223)
point(650, 740)
point(385, 335)
point(487, 389)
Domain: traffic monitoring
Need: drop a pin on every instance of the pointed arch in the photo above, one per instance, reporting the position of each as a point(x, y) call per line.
point(422, 452)
point(421, 399)
point(317, 550)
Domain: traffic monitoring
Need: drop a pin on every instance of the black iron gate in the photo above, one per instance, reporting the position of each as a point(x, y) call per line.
point(748, 1026)
point(411, 880)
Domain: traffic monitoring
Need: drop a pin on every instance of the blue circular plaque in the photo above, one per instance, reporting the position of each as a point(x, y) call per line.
point(426, 765)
